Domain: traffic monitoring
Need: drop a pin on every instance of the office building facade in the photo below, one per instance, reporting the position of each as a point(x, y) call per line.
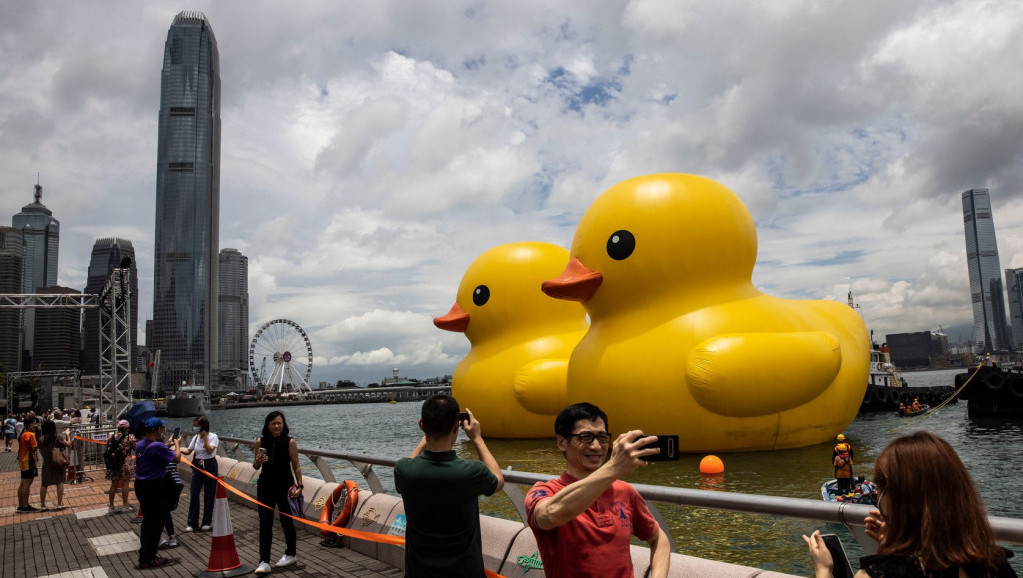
point(1014, 290)
point(57, 334)
point(12, 265)
point(107, 255)
point(234, 316)
point(42, 240)
point(990, 330)
point(185, 320)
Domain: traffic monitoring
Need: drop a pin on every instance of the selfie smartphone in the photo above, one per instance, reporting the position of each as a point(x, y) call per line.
point(842, 568)
point(177, 434)
point(667, 449)
point(463, 417)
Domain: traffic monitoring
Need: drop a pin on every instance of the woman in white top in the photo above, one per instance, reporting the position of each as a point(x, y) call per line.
point(204, 445)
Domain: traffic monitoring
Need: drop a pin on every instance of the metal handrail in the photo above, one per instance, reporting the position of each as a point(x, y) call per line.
point(1009, 530)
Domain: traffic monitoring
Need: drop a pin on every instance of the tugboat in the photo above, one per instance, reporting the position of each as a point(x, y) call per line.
point(886, 388)
point(992, 391)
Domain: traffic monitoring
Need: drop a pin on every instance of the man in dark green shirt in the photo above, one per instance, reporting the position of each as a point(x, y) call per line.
point(440, 492)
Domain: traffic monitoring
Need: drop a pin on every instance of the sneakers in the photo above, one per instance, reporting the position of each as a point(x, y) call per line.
point(154, 563)
point(189, 529)
point(263, 568)
point(171, 543)
point(206, 528)
point(26, 509)
point(285, 561)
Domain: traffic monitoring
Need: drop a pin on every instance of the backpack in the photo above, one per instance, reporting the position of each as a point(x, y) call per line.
point(113, 456)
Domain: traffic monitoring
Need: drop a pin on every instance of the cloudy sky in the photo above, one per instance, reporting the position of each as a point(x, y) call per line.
point(371, 150)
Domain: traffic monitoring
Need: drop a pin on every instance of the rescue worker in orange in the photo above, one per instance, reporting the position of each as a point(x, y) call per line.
point(916, 404)
point(843, 463)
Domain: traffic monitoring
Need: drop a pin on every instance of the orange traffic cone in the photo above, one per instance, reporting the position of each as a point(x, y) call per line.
point(224, 561)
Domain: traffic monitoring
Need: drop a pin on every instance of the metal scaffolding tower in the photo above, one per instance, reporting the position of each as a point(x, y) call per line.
point(114, 306)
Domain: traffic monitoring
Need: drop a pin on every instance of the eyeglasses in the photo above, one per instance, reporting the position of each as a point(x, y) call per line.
point(587, 437)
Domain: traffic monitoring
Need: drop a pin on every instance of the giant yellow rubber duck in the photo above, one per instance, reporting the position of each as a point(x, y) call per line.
point(680, 342)
point(513, 378)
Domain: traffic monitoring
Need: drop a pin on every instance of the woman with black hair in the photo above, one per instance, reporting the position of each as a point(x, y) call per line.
point(280, 479)
point(53, 475)
point(938, 532)
point(204, 445)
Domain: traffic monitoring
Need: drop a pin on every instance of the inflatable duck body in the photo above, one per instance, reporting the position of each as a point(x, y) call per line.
point(514, 377)
point(680, 342)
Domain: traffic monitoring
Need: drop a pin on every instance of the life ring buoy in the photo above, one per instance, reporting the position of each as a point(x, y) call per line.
point(880, 366)
point(342, 500)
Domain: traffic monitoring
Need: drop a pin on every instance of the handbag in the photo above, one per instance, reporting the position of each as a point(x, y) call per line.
point(59, 457)
point(296, 502)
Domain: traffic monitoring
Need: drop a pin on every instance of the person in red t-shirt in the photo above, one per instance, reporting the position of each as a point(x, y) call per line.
point(27, 463)
point(583, 520)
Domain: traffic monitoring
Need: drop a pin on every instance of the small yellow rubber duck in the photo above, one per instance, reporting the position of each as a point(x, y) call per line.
point(514, 376)
point(681, 342)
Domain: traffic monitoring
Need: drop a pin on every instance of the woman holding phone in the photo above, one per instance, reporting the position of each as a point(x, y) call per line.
point(930, 519)
point(280, 479)
point(204, 445)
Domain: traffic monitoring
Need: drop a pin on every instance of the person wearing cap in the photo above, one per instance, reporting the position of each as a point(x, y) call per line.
point(843, 443)
point(125, 473)
point(153, 457)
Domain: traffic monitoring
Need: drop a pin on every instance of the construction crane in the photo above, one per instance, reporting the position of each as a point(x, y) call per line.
point(155, 377)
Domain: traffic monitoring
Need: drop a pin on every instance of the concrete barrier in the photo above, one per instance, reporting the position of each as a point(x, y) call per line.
point(374, 511)
point(498, 535)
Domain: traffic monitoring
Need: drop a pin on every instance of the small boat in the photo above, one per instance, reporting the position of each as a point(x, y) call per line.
point(906, 412)
point(189, 401)
point(829, 493)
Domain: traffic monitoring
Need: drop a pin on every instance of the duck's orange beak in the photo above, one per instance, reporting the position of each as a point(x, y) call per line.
point(456, 320)
point(577, 283)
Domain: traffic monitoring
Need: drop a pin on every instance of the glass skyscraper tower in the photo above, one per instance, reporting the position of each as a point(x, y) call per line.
point(990, 331)
point(184, 324)
point(42, 238)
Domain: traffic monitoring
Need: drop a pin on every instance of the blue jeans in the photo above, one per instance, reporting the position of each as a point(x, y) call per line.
point(208, 487)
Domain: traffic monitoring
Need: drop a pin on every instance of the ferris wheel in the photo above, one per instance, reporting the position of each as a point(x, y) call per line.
point(286, 345)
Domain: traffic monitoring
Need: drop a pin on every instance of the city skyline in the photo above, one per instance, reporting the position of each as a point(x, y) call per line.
point(371, 152)
point(187, 234)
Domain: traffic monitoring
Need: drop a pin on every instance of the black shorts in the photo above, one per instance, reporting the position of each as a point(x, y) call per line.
point(29, 474)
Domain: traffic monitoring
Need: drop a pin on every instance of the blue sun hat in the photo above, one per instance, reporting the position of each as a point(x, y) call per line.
point(154, 423)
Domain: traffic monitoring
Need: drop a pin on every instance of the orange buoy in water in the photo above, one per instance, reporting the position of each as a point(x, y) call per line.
point(712, 465)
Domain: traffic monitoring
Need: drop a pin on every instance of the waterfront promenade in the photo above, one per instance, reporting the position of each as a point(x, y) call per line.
point(84, 540)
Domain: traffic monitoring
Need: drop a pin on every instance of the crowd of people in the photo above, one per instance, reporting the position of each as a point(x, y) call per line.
point(588, 508)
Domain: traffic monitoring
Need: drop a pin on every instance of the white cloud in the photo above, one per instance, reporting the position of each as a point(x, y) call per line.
point(371, 151)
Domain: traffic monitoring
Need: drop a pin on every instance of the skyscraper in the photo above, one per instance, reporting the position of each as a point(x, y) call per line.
point(107, 254)
point(234, 312)
point(990, 331)
point(57, 334)
point(12, 264)
point(187, 204)
point(1014, 289)
point(42, 237)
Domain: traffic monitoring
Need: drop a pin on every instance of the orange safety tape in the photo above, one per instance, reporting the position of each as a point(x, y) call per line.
point(358, 534)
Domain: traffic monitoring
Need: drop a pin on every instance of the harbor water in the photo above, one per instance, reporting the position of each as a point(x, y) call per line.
point(773, 543)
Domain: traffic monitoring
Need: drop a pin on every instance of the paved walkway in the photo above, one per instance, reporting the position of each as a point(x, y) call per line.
point(85, 540)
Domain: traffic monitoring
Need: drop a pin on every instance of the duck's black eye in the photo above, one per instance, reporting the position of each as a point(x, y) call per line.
point(481, 295)
point(620, 245)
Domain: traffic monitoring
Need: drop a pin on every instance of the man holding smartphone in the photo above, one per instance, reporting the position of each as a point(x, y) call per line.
point(440, 492)
point(589, 509)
